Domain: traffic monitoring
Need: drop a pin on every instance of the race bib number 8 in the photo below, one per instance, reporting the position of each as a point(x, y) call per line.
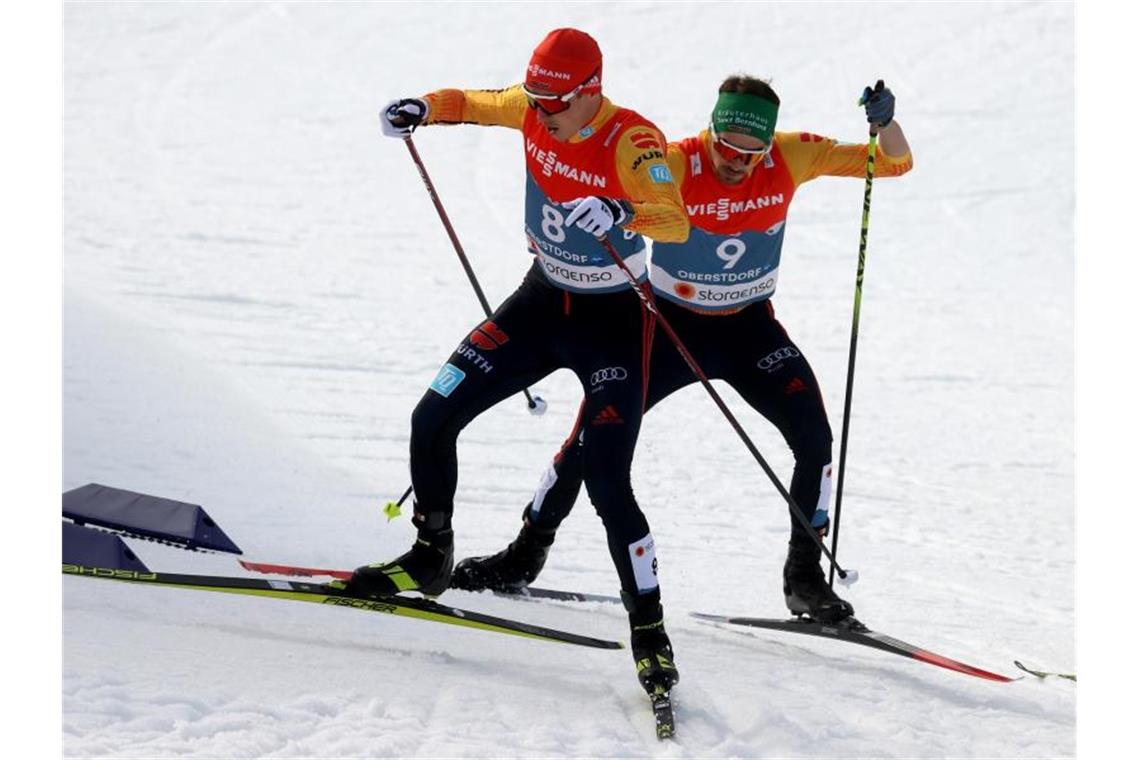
point(552, 224)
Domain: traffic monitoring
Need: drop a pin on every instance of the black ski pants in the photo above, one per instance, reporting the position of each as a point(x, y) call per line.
point(751, 351)
point(605, 339)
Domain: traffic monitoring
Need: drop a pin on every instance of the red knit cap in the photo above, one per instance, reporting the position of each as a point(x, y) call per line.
point(563, 60)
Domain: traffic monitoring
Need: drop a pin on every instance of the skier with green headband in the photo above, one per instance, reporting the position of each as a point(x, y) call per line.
point(737, 180)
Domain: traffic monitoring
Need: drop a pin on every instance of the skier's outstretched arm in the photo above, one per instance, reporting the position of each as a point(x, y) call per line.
point(493, 108)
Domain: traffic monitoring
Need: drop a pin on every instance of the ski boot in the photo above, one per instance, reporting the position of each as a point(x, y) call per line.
point(652, 651)
point(510, 570)
point(426, 568)
point(806, 591)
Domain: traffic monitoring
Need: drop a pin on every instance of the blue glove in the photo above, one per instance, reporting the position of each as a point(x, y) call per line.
point(879, 102)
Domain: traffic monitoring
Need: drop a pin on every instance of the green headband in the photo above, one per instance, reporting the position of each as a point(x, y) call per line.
point(741, 112)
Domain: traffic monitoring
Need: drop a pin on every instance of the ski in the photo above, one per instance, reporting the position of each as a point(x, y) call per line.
point(663, 714)
point(294, 570)
point(532, 592)
point(527, 592)
point(421, 609)
point(1043, 673)
point(855, 632)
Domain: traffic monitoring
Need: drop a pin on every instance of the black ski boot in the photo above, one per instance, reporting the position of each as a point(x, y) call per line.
point(426, 568)
point(510, 570)
point(652, 651)
point(805, 587)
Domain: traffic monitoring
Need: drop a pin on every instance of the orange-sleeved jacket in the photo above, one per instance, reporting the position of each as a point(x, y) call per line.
point(732, 256)
point(809, 156)
point(619, 155)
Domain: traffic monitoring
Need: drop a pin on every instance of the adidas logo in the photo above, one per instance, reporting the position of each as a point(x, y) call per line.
point(608, 416)
point(796, 386)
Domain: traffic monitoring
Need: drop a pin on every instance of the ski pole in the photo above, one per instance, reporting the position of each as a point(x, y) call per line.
point(650, 303)
point(392, 508)
point(535, 404)
point(1043, 673)
point(851, 352)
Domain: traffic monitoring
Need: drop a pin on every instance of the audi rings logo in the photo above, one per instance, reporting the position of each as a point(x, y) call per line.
point(608, 374)
point(772, 360)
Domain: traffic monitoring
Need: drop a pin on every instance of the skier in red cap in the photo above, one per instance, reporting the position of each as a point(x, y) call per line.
point(592, 170)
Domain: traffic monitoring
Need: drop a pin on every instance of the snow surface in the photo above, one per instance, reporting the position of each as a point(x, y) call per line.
point(257, 291)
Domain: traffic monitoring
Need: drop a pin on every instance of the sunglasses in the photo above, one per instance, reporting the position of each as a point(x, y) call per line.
point(731, 152)
point(554, 104)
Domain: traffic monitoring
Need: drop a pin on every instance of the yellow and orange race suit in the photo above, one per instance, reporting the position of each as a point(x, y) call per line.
point(619, 154)
point(732, 255)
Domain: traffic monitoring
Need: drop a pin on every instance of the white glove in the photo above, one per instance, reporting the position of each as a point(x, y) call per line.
point(595, 215)
point(401, 117)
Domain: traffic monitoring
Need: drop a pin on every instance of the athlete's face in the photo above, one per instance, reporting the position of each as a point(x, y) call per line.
point(730, 165)
point(577, 114)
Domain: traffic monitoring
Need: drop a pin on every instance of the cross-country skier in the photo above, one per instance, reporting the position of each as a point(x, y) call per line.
point(737, 179)
point(592, 169)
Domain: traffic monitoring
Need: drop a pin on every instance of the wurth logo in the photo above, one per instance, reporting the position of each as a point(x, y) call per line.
point(476, 358)
point(644, 139)
point(487, 336)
